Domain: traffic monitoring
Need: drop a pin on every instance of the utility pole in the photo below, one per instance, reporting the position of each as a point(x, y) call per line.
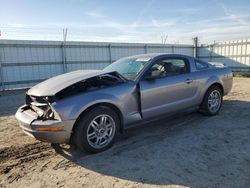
point(164, 39)
point(195, 40)
point(65, 31)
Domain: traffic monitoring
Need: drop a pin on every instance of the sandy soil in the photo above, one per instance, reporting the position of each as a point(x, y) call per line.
point(190, 151)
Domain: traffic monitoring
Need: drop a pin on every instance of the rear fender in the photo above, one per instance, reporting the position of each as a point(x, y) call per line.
point(212, 80)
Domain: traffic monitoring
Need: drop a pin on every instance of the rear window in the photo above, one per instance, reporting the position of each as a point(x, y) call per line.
point(200, 65)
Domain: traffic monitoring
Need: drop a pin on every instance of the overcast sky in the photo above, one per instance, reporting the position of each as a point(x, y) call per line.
point(126, 20)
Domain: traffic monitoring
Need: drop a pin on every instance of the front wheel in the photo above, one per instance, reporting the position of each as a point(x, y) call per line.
point(212, 101)
point(96, 130)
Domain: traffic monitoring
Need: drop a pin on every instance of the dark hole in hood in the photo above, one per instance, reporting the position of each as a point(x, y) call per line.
point(90, 84)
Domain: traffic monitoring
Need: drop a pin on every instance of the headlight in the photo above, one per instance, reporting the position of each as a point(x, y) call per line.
point(43, 106)
point(49, 114)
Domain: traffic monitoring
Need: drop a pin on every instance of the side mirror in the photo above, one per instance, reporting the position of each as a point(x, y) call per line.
point(153, 75)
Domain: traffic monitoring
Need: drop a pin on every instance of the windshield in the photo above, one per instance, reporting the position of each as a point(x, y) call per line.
point(128, 67)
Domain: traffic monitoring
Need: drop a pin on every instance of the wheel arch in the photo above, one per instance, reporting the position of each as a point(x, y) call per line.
point(104, 104)
point(213, 81)
point(203, 106)
point(218, 84)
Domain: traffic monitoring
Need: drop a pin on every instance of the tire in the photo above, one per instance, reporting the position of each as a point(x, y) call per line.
point(96, 130)
point(211, 105)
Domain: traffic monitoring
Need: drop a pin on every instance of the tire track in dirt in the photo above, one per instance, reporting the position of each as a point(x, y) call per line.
point(21, 157)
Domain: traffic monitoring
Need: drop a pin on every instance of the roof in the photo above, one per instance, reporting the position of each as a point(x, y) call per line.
point(154, 55)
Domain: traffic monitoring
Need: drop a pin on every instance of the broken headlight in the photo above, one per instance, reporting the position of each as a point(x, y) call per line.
point(43, 107)
point(48, 113)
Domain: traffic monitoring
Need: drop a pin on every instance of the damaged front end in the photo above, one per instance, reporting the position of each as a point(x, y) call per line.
point(43, 107)
point(39, 118)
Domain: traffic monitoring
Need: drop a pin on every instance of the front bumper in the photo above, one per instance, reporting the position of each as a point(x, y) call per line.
point(29, 123)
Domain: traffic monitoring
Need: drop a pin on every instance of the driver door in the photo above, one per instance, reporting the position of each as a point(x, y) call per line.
point(168, 86)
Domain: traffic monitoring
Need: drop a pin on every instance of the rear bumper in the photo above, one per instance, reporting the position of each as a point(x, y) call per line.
point(29, 123)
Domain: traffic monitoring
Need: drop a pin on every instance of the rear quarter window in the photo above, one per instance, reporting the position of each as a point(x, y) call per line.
point(200, 65)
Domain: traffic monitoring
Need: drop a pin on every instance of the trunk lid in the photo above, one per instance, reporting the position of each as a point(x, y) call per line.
point(218, 64)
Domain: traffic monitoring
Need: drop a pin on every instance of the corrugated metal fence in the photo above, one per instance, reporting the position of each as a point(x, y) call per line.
point(235, 54)
point(24, 63)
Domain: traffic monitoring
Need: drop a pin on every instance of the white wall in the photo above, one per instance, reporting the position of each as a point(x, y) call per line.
point(24, 63)
point(235, 54)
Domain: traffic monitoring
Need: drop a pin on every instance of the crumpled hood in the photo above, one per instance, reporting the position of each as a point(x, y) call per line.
point(55, 84)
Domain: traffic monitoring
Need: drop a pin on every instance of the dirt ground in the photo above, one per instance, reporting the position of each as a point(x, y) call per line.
point(190, 151)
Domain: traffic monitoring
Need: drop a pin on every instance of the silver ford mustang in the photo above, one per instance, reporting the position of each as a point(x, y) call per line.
point(90, 107)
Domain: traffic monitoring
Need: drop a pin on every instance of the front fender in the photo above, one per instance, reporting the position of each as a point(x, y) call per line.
point(71, 108)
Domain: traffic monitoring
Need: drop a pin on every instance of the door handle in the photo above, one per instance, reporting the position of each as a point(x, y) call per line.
point(188, 81)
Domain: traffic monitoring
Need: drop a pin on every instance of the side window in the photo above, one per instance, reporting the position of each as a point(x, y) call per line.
point(200, 65)
point(170, 67)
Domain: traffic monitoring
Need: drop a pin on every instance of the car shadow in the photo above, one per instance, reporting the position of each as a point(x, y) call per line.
point(191, 150)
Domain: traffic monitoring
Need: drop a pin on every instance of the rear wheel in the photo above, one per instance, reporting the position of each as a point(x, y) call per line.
point(96, 130)
point(212, 101)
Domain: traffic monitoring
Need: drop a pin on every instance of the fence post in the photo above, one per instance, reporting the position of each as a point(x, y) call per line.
point(211, 50)
point(195, 39)
point(146, 48)
point(246, 54)
point(1, 73)
point(172, 49)
point(1, 77)
point(110, 54)
point(241, 51)
point(64, 61)
point(233, 54)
